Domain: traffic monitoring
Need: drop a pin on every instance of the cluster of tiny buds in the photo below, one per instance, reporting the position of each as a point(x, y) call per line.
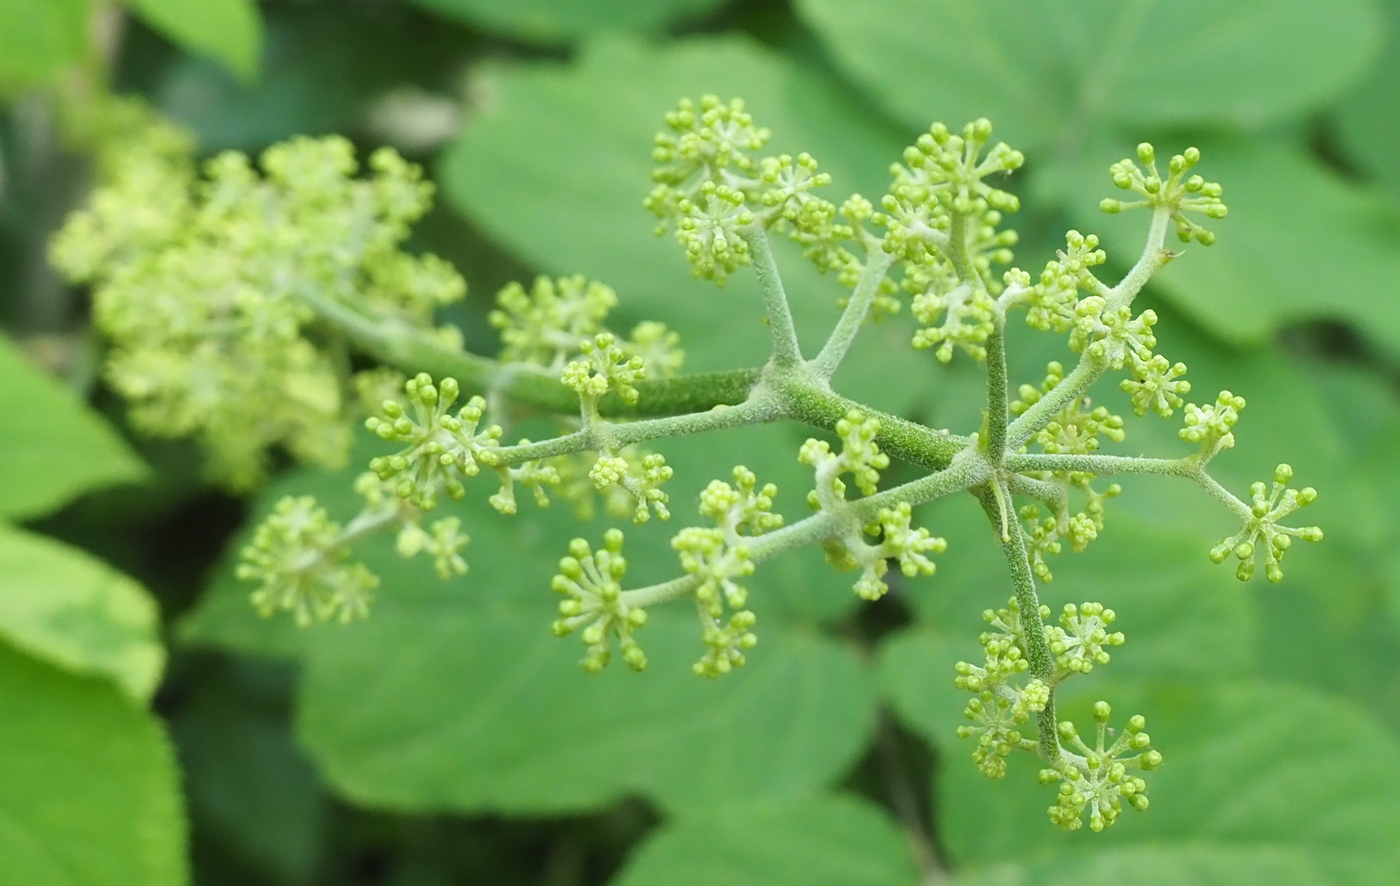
point(860, 456)
point(1209, 426)
point(592, 583)
point(604, 367)
point(440, 445)
point(1177, 193)
point(1261, 534)
point(1098, 779)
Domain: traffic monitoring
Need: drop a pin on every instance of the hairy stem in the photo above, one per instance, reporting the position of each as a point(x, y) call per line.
point(1037, 650)
point(1154, 257)
point(998, 401)
point(612, 436)
point(964, 473)
point(1102, 464)
point(412, 351)
point(877, 265)
point(785, 350)
point(1032, 420)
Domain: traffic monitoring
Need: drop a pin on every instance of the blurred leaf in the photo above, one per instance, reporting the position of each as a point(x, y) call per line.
point(89, 793)
point(554, 21)
point(322, 64)
point(53, 446)
point(228, 30)
point(559, 160)
point(38, 38)
point(479, 708)
point(247, 780)
point(1300, 243)
point(72, 610)
point(1045, 72)
point(823, 841)
point(1262, 784)
point(1368, 117)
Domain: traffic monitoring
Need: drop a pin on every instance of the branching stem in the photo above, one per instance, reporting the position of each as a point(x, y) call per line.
point(786, 352)
point(877, 265)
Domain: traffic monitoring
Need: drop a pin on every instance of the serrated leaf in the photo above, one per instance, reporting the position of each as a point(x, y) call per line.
point(554, 21)
point(1046, 72)
point(489, 712)
point(89, 792)
point(70, 609)
point(52, 446)
point(557, 164)
point(228, 30)
point(1259, 780)
point(38, 38)
point(824, 841)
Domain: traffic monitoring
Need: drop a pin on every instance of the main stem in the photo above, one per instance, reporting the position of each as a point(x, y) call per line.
point(1037, 650)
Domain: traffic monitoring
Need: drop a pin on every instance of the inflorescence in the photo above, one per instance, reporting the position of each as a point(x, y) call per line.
point(225, 291)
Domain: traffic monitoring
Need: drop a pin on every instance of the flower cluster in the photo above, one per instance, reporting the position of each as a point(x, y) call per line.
point(715, 192)
point(1074, 429)
point(1177, 194)
point(1261, 536)
point(203, 285)
point(717, 557)
point(298, 556)
point(940, 192)
point(1209, 426)
point(441, 447)
point(591, 582)
point(1099, 779)
point(1006, 696)
point(860, 456)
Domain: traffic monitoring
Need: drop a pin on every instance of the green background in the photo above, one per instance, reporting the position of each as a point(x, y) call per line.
point(153, 730)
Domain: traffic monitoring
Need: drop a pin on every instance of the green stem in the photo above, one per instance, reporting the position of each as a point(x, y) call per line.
point(998, 401)
point(1032, 420)
point(1101, 464)
point(965, 473)
point(900, 438)
point(413, 351)
point(878, 263)
point(786, 352)
point(1154, 257)
point(612, 436)
point(1037, 650)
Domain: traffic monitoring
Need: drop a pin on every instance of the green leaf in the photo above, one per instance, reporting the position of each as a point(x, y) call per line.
point(1044, 73)
point(1292, 223)
point(824, 841)
point(1368, 117)
point(554, 21)
point(228, 30)
point(1259, 781)
point(478, 708)
point(247, 781)
point(89, 792)
point(557, 165)
point(70, 609)
point(322, 64)
point(52, 447)
point(39, 38)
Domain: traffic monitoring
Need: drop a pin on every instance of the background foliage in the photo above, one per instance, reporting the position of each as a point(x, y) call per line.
point(450, 739)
